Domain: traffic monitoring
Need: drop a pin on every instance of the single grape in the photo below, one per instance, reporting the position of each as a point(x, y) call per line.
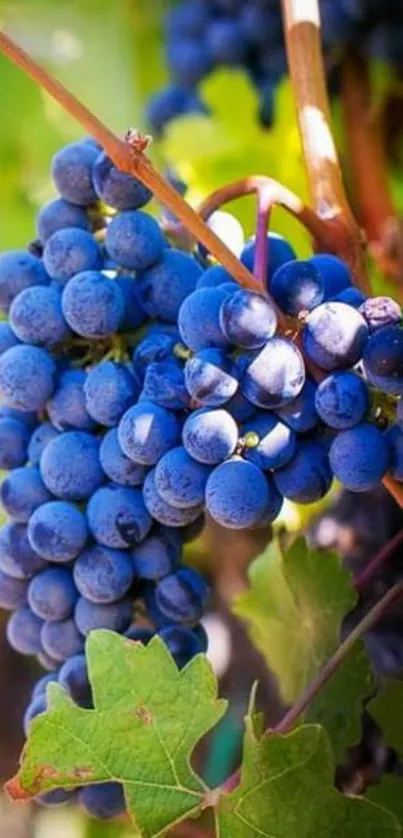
point(146, 431)
point(215, 276)
point(116, 188)
point(52, 594)
point(247, 319)
point(41, 436)
point(210, 436)
point(57, 531)
point(189, 61)
point(307, 477)
point(279, 250)
point(117, 516)
point(71, 251)
point(61, 639)
point(14, 439)
point(115, 616)
point(334, 336)
point(27, 377)
point(103, 575)
point(73, 676)
point(57, 215)
point(333, 272)
point(164, 512)
point(379, 312)
point(156, 556)
point(181, 595)
point(119, 468)
point(164, 286)
point(93, 305)
point(351, 296)
point(300, 414)
point(104, 800)
point(22, 491)
point(17, 558)
point(169, 104)
point(275, 376)
point(67, 407)
point(199, 319)
point(8, 338)
point(237, 494)
point(383, 360)
point(110, 389)
point(24, 631)
point(267, 442)
point(72, 169)
point(13, 592)
point(19, 269)
point(183, 643)
point(134, 240)
point(342, 400)
point(297, 286)
point(180, 480)
point(36, 316)
point(70, 466)
point(360, 457)
point(164, 384)
point(210, 377)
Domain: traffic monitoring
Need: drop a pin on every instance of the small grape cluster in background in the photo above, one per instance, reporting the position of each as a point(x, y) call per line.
point(142, 387)
point(202, 35)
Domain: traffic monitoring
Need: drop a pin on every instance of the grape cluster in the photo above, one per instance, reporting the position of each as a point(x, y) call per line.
point(205, 34)
point(142, 387)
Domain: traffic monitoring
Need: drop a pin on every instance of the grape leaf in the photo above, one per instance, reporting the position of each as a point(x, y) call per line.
point(286, 790)
point(386, 709)
point(293, 611)
point(389, 794)
point(148, 717)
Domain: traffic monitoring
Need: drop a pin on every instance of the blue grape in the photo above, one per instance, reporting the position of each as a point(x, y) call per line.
point(104, 800)
point(180, 480)
point(156, 346)
point(169, 104)
point(334, 336)
point(211, 377)
point(188, 61)
point(8, 338)
point(40, 438)
point(165, 285)
point(333, 272)
point(134, 315)
point(307, 477)
point(72, 169)
point(103, 575)
point(40, 687)
point(27, 377)
point(240, 407)
point(351, 296)
point(187, 20)
point(226, 42)
point(19, 269)
point(52, 594)
point(70, 465)
point(210, 436)
point(115, 616)
point(110, 389)
point(67, 407)
point(22, 491)
point(116, 188)
point(164, 384)
point(93, 305)
point(17, 558)
point(183, 643)
point(379, 312)
point(383, 360)
point(119, 468)
point(47, 662)
point(24, 631)
point(164, 512)
point(215, 276)
point(14, 439)
point(268, 442)
point(146, 431)
point(36, 317)
point(155, 556)
point(273, 507)
point(117, 516)
point(13, 592)
point(134, 240)
point(199, 319)
point(37, 706)
point(247, 319)
point(394, 439)
point(69, 252)
point(300, 414)
point(181, 595)
point(61, 639)
point(237, 494)
point(57, 215)
point(342, 400)
point(360, 457)
point(56, 797)
point(57, 531)
point(73, 676)
point(280, 251)
point(30, 418)
point(139, 634)
point(275, 376)
point(297, 286)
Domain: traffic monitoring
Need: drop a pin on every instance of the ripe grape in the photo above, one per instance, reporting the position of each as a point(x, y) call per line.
point(360, 457)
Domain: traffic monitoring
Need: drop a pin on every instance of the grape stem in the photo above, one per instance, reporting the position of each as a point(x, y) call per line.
point(326, 673)
point(262, 254)
point(372, 568)
point(368, 164)
point(128, 155)
point(301, 21)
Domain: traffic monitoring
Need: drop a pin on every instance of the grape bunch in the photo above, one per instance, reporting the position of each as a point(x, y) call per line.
point(202, 35)
point(141, 387)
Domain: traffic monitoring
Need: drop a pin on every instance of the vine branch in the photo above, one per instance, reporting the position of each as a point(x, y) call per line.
point(385, 553)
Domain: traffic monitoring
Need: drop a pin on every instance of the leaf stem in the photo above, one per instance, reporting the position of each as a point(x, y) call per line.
point(129, 157)
point(385, 553)
point(301, 20)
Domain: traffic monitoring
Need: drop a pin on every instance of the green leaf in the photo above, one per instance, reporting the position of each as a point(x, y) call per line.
point(287, 791)
point(389, 794)
point(148, 717)
point(386, 709)
point(293, 611)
